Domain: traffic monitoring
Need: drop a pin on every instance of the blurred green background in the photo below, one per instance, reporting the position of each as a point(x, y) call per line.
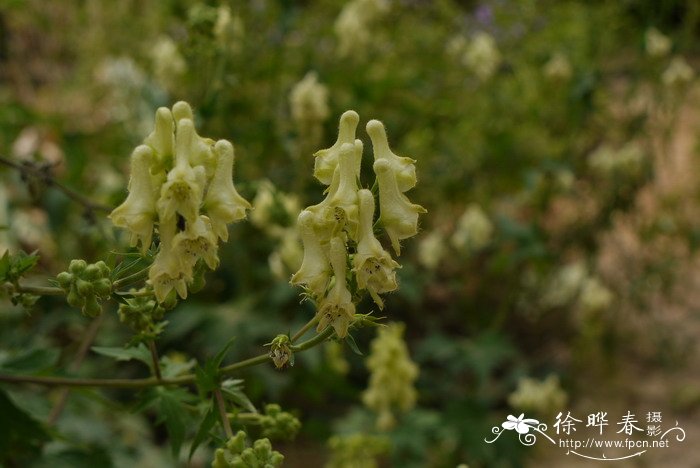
point(556, 268)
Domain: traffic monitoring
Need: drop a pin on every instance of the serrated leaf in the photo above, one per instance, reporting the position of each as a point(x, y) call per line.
point(140, 353)
point(203, 430)
point(207, 376)
point(171, 412)
point(351, 342)
point(232, 390)
point(20, 434)
point(218, 359)
point(30, 361)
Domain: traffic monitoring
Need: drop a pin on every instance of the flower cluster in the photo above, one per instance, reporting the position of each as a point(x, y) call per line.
point(141, 313)
point(340, 247)
point(181, 185)
point(308, 101)
point(236, 455)
point(543, 397)
point(86, 285)
point(354, 22)
point(392, 378)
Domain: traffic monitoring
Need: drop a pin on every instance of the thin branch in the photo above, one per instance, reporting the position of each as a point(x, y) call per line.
point(221, 405)
point(152, 381)
point(88, 338)
point(156, 361)
point(41, 173)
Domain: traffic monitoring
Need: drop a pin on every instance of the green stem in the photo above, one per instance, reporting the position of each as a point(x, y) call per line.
point(305, 328)
point(154, 358)
point(49, 180)
point(152, 381)
point(38, 290)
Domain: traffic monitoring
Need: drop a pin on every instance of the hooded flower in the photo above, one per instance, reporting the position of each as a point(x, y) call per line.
point(403, 168)
point(337, 309)
point(138, 211)
point(326, 160)
point(223, 203)
point(338, 211)
point(372, 264)
point(182, 192)
point(162, 138)
point(315, 270)
point(397, 214)
point(200, 151)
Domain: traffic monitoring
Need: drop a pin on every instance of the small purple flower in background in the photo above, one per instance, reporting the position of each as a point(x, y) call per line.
point(522, 426)
point(484, 14)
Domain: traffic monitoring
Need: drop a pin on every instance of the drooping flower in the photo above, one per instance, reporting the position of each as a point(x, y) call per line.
point(326, 160)
point(337, 309)
point(372, 264)
point(404, 168)
point(137, 213)
point(678, 73)
point(474, 230)
point(397, 214)
point(183, 190)
point(315, 270)
point(482, 56)
point(169, 270)
point(197, 241)
point(656, 43)
point(223, 203)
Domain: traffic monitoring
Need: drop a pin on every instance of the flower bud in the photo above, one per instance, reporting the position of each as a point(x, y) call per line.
point(281, 351)
point(77, 266)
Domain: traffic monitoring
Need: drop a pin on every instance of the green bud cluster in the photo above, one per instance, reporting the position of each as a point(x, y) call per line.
point(86, 285)
point(392, 376)
point(181, 185)
point(339, 231)
point(141, 313)
point(281, 351)
point(278, 424)
point(235, 454)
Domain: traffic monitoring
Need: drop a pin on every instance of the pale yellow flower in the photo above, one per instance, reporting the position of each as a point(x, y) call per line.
point(337, 309)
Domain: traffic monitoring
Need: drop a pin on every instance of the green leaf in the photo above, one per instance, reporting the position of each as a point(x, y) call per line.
point(30, 361)
point(140, 353)
point(203, 430)
point(233, 390)
point(172, 412)
point(20, 435)
point(207, 377)
point(351, 342)
point(12, 267)
point(171, 368)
